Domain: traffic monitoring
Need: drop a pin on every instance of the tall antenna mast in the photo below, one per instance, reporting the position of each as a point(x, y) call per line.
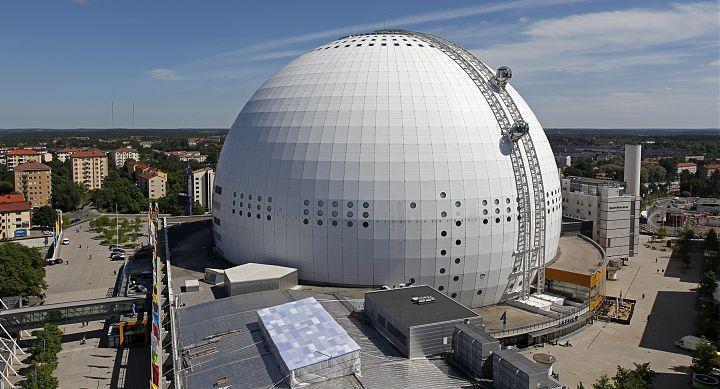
point(112, 113)
point(384, 20)
point(133, 114)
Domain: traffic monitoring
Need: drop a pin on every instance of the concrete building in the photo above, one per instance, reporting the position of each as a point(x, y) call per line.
point(89, 167)
point(632, 168)
point(690, 167)
point(152, 183)
point(19, 156)
point(614, 213)
point(257, 277)
point(122, 154)
point(14, 219)
point(563, 160)
point(417, 320)
point(200, 186)
point(710, 169)
point(185, 156)
point(64, 154)
point(34, 181)
point(579, 272)
point(513, 371)
point(398, 202)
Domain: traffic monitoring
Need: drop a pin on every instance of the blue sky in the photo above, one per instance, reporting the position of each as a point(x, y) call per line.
point(578, 63)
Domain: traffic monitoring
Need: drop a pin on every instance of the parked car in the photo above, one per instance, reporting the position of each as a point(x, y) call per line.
point(47, 233)
point(55, 261)
point(66, 241)
point(115, 247)
point(117, 251)
point(117, 257)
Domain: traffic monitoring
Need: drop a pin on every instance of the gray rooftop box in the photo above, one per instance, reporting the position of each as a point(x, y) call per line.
point(513, 371)
point(473, 350)
point(417, 320)
point(256, 277)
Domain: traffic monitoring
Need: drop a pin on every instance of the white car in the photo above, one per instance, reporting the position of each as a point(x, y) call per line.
point(66, 241)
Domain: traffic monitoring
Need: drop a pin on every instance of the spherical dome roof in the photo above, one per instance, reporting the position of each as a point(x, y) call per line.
point(375, 160)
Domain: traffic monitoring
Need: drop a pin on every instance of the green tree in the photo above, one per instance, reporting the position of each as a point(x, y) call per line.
point(66, 195)
point(580, 385)
point(662, 233)
point(656, 173)
point(707, 284)
point(40, 377)
point(119, 191)
point(703, 357)
point(44, 216)
point(711, 240)
point(603, 383)
point(6, 187)
point(22, 271)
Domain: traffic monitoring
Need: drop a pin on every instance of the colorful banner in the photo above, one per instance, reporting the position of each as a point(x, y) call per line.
point(155, 336)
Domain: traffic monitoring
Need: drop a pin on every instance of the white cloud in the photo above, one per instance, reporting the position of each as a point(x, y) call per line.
point(81, 2)
point(604, 41)
point(715, 63)
point(165, 74)
point(259, 51)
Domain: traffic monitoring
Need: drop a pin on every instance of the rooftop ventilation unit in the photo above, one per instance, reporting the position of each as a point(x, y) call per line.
point(422, 300)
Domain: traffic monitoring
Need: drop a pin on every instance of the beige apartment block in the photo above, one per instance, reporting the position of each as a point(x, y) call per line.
point(17, 157)
point(121, 155)
point(152, 183)
point(89, 167)
point(34, 181)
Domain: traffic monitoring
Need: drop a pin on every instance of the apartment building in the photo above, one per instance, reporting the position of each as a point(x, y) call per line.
point(14, 217)
point(89, 167)
point(185, 156)
point(64, 154)
point(615, 214)
point(686, 167)
point(121, 155)
point(200, 186)
point(152, 183)
point(17, 157)
point(34, 181)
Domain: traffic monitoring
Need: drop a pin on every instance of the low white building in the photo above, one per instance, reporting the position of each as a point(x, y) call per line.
point(122, 154)
point(614, 213)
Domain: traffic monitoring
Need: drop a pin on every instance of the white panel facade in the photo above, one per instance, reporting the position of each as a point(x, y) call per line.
point(375, 160)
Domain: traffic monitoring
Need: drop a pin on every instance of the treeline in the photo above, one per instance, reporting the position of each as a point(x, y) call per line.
point(44, 358)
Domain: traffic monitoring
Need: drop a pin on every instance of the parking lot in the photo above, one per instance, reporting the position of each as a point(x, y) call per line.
point(88, 273)
point(666, 314)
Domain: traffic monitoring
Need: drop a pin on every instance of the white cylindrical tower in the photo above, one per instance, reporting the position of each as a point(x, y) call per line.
point(632, 169)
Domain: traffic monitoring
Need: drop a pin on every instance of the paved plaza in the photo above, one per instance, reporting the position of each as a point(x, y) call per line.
point(664, 316)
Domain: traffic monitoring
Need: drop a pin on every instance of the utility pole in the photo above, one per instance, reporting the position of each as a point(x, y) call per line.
point(117, 230)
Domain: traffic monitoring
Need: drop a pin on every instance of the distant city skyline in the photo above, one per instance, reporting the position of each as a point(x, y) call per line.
point(579, 64)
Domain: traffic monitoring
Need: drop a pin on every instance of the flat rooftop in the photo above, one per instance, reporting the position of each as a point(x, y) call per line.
point(576, 255)
point(410, 314)
point(256, 272)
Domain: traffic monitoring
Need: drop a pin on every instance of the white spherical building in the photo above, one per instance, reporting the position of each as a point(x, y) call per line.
point(377, 159)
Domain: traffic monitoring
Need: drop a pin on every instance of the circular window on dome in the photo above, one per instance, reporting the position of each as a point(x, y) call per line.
point(241, 204)
point(413, 205)
point(334, 203)
point(334, 213)
point(234, 194)
point(454, 295)
point(443, 252)
point(305, 221)
point(443, 233)
point(458, 204)
point(507, 200)
point(350, 204)
point(485, 221)
point(479, 292)
point(249, 205)
point(269, 217)
point(349, 214)
point(482, 276)
point(258, 207)
point(497, 220)
point(306, 202)
point(443, 195)
point(349, 223)
point(366, 215)
point(509, 218)
point(457, 260)
point(259, 198)
point(257, 216)
point(508, 209)
point(497, 211)
point(458, 223)
point(497, 201)
point(366, 224)
point(320, 203)
point(442, 270)
point(458, 242)
point(269, 208)
point(441, 288)
point(485, 211)
point(484, 202)
point(306, 212)
point(456, 278)
point(411, 281)
point(240, 213)
point(233, 211)
point(443, 214)
point(233, 203)
point(319, 222)
point(334, 223)
point(249, 197)
point(269, 199)
point(320, 213)
point(366, 204)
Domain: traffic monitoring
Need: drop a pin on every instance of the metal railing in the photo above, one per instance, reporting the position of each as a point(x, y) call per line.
point(536, 325)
